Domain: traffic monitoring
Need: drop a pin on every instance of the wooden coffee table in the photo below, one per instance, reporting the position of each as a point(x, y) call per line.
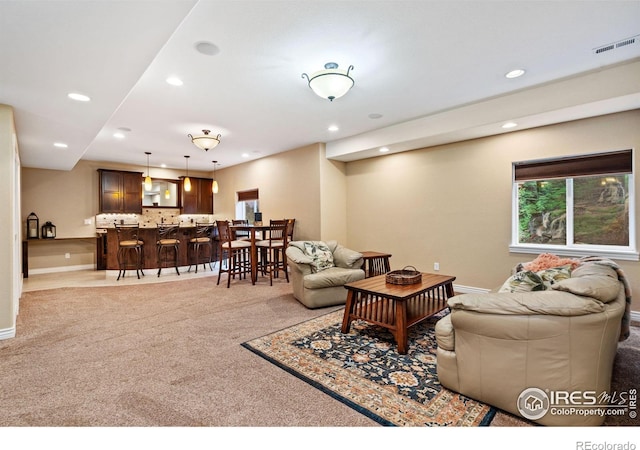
point(396, 307)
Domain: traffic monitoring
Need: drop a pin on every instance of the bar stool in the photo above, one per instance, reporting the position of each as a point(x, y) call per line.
point(237, 251)
point(128, 244)
point(273, 249)
point(202, 240)
point(167, 246)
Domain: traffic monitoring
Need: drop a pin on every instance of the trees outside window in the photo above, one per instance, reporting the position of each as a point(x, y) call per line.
point(588, 211)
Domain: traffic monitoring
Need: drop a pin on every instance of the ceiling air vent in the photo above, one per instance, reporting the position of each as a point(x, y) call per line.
point(615, 45)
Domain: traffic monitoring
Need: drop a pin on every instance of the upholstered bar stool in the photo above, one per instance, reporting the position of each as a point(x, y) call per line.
point(272, 249)
point(237, 252)
point(167, 246)
point(201, 243)
point(130, 249)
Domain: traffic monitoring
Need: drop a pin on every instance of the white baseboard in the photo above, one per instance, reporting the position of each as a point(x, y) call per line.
point(635, 316)
point(62, 269)
point(7, 333)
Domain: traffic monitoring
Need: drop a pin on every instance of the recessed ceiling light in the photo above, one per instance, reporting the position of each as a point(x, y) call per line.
point(60, 145)
point(383, 150)
point(333, 128)
point(78, 97)
point(174, 81)
point(509, 125)
point(245, 155)
point(207, 48)
point(163, 165)
point(515, 73)
point(375, 116)
point(118, 135)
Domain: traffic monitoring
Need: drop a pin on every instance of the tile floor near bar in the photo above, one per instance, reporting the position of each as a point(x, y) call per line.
point(89, 278)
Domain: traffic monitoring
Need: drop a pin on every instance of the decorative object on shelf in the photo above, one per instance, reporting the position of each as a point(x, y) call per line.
point(33, 226)
point(330, 83)
point(48, 231)
point(148, 184)
point(257, 218)
point(408, 275)
point(214, 185)
point(206, 141)
point(187, 180)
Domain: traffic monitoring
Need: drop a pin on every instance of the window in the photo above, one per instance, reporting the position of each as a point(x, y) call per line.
point(247, 205)
point(575, 206)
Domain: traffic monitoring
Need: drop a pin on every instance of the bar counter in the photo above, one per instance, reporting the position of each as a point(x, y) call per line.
point(148, 235)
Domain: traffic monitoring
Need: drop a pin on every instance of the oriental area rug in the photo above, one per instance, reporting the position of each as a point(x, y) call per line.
point(364, 370)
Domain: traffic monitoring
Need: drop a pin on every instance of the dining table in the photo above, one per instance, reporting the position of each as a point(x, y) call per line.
point(252, 229)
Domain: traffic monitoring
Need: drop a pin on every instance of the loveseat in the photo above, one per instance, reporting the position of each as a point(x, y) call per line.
point(319, 270)
point(524, 350)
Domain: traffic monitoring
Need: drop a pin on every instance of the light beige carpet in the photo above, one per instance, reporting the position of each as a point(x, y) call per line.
point(169, 354)
point(164, 354)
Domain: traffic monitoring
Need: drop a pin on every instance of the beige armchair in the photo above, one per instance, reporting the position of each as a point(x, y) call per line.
point(495, 346)
point(318, 282)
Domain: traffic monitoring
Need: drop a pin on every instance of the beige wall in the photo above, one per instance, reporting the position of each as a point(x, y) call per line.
point(452, 204)
point(289, 186)
point(67, 198)
point(10, 233)
point(449, 204)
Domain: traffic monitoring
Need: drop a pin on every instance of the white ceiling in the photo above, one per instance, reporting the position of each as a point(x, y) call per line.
point(433, 70)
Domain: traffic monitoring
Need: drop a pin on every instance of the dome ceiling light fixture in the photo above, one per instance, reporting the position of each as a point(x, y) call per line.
point(205, 142)
point(330, 83)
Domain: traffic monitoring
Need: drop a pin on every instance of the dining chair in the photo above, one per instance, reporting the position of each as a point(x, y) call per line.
point(237, 251)
point(241, 234)
point(272, 250)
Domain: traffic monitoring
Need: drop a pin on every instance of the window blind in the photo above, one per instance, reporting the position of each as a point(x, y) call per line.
point(245, 196)
point(609, 163)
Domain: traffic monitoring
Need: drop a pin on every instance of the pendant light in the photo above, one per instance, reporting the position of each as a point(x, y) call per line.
point(214, 185)
point(187, 181)
point(148, 185)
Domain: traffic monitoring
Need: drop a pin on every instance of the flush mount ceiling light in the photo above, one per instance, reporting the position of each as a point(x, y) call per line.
point(205, 142)
point(330, 83)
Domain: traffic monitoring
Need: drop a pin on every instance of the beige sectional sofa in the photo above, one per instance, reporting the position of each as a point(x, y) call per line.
point(318, 283)
point(493, 347)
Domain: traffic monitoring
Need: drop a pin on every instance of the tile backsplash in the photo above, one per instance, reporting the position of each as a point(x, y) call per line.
point(150, 217)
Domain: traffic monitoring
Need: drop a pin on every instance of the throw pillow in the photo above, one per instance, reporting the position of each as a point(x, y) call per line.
point(603, 288)
point(551, 276)
point(526, 281)
point(320, 253)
